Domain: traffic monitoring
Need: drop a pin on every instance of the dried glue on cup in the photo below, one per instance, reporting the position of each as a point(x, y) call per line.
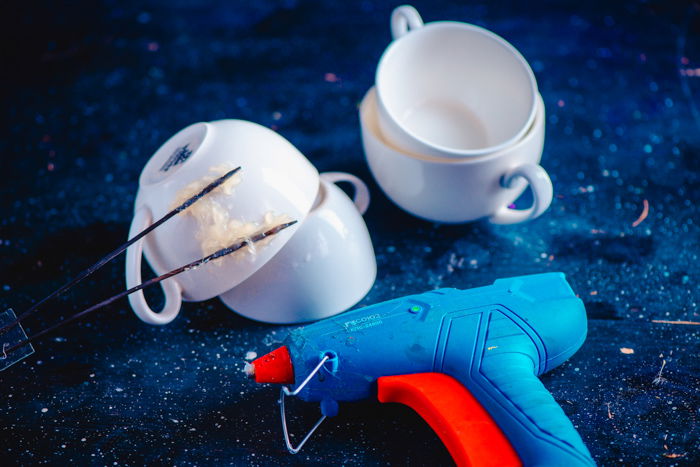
point(216, 228)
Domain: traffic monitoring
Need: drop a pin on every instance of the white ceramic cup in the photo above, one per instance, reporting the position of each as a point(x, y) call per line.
point(274, 178)
point(327, 266)
point(451, 89)
point(454, 190)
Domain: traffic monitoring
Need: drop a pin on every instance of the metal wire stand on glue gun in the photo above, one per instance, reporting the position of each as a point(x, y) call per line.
point(466, 360)
point(15, 343)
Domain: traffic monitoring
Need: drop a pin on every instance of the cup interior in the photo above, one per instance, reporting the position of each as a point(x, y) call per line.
point(369, 116)
point(457, 87)
point(174, 153)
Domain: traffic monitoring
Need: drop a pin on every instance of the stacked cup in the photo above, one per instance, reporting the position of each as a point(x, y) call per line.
point(319, 267)
point(453, 130)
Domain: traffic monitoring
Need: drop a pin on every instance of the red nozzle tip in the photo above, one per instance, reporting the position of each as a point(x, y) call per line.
point(274, 367)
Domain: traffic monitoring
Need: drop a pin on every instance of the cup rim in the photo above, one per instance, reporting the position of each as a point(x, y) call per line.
point(321, 198)
point(377, 134)
point(448, 152)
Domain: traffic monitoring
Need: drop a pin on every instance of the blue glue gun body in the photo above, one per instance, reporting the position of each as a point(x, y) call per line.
point(493, 340)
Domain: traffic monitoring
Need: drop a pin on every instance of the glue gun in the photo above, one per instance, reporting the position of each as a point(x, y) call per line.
point(466, 360)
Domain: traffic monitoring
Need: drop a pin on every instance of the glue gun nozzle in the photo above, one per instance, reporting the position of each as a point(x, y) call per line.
point(274, 367)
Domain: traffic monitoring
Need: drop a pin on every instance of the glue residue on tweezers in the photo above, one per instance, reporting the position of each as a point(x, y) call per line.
point(195, 187)
point(216, 228)
point(220, 231)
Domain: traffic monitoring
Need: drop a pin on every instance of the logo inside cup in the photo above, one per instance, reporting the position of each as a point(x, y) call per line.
point(178, 156)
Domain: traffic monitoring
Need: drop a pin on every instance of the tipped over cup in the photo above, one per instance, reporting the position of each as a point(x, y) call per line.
point(276, 183)
point(327, 266)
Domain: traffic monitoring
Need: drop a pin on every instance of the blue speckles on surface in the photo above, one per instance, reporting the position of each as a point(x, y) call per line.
point(93, 89)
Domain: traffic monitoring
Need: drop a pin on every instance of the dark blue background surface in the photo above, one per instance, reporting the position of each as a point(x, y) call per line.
point(91, 89)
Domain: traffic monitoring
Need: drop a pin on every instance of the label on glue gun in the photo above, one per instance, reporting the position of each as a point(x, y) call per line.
point(363, 323)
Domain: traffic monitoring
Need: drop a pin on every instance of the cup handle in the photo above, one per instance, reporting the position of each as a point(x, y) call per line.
point(171, 289)
point(360, 197)
point(542, 192)
point(403, 19)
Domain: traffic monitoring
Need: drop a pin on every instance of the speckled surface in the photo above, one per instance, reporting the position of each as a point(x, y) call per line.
point(91, 90)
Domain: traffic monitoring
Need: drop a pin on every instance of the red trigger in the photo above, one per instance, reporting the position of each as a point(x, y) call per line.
point(465, 428)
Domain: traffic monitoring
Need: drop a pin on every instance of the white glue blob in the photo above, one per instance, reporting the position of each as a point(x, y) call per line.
point(217, 229)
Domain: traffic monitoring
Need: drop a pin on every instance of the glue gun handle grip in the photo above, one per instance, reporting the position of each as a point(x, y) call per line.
point(535, 424)
point(465, 428)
